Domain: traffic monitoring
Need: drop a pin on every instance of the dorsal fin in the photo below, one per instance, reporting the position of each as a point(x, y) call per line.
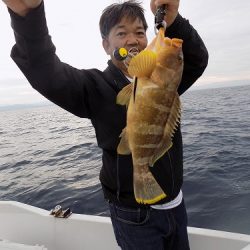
point(166, 142)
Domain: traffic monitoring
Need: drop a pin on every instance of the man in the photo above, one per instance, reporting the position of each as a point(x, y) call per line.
point(92, 94)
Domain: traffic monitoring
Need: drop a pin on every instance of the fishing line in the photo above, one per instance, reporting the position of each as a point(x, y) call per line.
point(122, 54)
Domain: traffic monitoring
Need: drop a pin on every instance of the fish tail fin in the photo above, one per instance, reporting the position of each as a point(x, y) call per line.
point(146, 188)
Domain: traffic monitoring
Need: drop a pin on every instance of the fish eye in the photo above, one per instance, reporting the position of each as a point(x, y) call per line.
point(140, 33)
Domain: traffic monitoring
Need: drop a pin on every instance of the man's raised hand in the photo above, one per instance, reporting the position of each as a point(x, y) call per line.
point(22, 7)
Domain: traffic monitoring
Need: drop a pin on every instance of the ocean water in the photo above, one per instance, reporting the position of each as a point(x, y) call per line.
point(50, 157)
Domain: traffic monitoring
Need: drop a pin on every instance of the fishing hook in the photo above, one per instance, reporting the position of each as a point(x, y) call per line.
point(121, 54)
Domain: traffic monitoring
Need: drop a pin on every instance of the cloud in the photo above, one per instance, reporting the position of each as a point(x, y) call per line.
point(18, 91)
point(223, 25)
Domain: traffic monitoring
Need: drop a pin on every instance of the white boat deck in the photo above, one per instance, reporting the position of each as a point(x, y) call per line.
point(22, 224)
point(7, 245)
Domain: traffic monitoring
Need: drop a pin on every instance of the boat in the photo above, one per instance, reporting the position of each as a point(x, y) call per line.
point(25, 227)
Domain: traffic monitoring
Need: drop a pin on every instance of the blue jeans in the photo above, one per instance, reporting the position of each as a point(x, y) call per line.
point(150, 229)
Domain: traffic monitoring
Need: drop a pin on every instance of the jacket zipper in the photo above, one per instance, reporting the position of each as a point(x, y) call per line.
point(172, 172)
point(117, 178)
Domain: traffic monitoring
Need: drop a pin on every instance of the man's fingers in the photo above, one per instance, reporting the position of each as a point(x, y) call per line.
point(15, 5)
point(22, 7)
point(32, 3)
point(172, 8)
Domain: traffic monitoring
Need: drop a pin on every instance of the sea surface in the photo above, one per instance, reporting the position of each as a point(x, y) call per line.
point(50, 157)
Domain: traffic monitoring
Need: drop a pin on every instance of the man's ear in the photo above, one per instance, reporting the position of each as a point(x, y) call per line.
point(105, 45)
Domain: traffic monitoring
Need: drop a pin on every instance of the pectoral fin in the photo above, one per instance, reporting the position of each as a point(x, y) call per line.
point(123, 147)
point(143, 64)
point(170, 127)
point(124, 95)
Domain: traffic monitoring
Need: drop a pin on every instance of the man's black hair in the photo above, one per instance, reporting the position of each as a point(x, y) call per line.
point(114, 13)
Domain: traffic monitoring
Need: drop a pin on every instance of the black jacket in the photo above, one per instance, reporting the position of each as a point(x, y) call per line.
point(92, 94)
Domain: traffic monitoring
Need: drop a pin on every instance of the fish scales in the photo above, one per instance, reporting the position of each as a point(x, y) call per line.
point(153, 112)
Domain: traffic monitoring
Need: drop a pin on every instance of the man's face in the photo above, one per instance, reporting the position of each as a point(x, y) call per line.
point(127, 34)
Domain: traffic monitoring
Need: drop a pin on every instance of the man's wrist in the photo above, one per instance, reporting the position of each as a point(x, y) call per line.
point(33, 25)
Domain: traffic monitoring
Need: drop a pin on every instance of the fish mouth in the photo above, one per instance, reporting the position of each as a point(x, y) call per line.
point(132, 52)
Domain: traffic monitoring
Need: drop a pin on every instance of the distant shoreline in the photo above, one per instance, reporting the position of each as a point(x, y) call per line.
point(25, 106)
point(194, 88)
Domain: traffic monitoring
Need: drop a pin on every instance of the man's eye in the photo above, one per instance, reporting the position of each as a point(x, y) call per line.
point(141, 33)
point(121, 34)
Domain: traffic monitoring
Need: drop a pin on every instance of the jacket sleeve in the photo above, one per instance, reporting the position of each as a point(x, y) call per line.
point(194, 51)
point(34, 53)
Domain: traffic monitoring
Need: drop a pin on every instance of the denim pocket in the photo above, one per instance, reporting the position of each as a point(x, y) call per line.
point(132, 216)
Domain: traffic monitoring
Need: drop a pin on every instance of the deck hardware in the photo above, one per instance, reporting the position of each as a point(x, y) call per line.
point(58, 212)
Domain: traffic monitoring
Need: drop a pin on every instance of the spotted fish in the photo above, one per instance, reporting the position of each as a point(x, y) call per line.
point(153, 113)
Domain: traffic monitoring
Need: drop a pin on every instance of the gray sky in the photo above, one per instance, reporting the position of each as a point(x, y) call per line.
point(73, 25)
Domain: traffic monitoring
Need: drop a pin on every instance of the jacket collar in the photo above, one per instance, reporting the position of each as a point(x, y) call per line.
point(115, 75)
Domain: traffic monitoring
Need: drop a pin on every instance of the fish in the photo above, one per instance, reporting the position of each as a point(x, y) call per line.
point(153, 111)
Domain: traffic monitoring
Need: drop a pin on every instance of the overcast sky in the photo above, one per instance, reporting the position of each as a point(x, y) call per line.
point(73, 25)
